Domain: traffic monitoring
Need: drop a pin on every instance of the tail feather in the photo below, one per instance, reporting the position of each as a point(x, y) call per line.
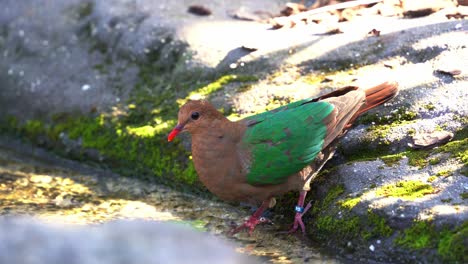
point(376, 96)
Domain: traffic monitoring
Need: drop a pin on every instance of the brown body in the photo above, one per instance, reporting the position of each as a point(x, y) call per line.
point(222, 164)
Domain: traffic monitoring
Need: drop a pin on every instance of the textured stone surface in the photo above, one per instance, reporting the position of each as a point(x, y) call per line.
point(85, 55)
point(67, 56)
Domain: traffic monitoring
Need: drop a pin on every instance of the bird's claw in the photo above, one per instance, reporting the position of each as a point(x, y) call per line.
point(297, 223)
point(249, 224)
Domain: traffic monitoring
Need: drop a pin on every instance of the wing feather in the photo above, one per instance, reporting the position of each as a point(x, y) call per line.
point(283, 141)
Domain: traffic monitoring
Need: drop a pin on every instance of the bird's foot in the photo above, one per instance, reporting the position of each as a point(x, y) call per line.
point(297, 223)
point(300, 211)
point(249, 224)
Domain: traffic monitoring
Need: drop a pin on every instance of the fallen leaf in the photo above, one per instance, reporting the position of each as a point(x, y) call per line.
point(451, 72)
point(414, 9)
point(374, 32)
point(249, 48)
point(334, 30)
point(430, 140)
point(292, 9)
point(199, 10)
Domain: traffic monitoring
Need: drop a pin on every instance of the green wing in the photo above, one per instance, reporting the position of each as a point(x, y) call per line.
point(285, 140)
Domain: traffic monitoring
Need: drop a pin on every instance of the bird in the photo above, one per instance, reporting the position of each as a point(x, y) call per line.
point(257, 158)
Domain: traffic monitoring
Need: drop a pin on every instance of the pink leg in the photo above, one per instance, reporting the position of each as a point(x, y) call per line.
point(255, 219)
point(300, 211)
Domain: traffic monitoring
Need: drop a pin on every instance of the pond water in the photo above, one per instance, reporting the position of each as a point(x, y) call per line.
point(55, 190)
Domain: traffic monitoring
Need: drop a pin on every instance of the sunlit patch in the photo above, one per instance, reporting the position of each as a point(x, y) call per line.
point(61, 196)
point(63, 200)
point(444, 209)
point(215, 86)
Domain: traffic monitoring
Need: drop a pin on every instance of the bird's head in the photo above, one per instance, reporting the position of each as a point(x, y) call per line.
point(193, 116)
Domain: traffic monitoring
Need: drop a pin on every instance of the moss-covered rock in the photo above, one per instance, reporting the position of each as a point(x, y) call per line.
point(450, 244)
point(406, 189)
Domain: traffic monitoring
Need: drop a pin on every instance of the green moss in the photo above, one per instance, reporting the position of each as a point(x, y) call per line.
point(332, 194)
point(382, 125)
point(434, 161)
point(452, 244)
point(132, 137)
point(420, 235)
point(409, 190)
point(329, 223)
point(392, 159)
point(365, 153)
point(216, 86)
point(432, 178)
point(458, 147)
point(313, 79)
point(444, 173)
point(143, 131)
point(446, 200)
point(395, 118)
point(464, 195)
point(429, 106)
point(33, 128)
point(377, 226)
point(138, 148)
point(417, 158)
point(348, 227)
point(349, 203)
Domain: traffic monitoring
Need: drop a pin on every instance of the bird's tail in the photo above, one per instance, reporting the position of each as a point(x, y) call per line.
point(376, 96)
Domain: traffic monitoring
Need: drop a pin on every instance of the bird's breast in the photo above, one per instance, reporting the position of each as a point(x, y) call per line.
point(217, 163)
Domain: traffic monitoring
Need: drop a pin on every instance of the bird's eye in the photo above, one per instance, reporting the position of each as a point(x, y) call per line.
point(195, 115)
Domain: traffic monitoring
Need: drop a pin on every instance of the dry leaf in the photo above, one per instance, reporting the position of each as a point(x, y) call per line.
point(430, 140)
point(199, 10)
point(451, 72)
point(292, 9)
point(374, 32)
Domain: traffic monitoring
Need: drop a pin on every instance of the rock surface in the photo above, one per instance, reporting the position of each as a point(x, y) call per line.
point(67, 195)
point(129, 64)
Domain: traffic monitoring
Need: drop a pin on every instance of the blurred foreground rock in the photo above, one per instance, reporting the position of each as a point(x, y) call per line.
point(128, 63)
point(26, 240)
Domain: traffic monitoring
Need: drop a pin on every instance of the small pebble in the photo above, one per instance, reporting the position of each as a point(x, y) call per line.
point(371, 247)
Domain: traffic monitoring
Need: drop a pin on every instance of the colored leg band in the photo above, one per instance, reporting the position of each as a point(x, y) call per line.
point(299, 209)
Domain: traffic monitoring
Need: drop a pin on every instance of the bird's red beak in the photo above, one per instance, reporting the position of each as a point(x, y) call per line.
point(174, 132)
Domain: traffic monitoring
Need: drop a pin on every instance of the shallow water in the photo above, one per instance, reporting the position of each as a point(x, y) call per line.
point(56, 190)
